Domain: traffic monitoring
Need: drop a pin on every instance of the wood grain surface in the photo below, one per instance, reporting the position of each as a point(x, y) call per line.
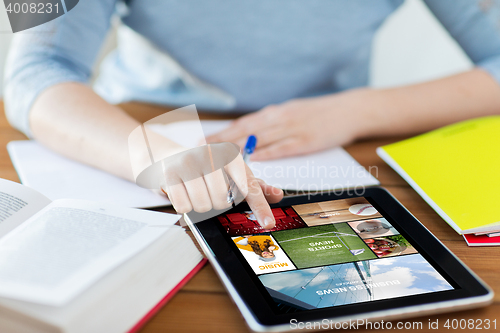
point(203, 305)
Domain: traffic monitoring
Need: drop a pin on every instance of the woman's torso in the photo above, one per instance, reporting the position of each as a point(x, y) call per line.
point(256, 53)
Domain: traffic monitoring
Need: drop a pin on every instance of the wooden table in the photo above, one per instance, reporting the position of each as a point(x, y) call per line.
point(203, 305)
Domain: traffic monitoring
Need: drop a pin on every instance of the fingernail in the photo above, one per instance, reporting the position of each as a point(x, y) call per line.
point(269, 223)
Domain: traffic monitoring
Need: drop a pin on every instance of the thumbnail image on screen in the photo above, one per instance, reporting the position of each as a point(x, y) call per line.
point(331, 253)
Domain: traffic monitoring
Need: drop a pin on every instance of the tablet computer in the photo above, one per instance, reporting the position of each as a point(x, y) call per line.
point(335, 261)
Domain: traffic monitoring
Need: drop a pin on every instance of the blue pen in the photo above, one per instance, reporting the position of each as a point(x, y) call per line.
point(247, 151)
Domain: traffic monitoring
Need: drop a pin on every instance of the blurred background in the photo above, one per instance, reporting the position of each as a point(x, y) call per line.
point(410, 47)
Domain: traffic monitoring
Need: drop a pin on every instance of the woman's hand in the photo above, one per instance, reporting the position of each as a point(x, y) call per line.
point(196, 179)
point(303, 126)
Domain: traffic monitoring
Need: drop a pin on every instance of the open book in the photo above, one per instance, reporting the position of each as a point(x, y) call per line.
point(82, 266)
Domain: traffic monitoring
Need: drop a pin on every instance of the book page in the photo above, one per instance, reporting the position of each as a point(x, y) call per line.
point(17, 204)
point(59, 177)
point(70, 244)
point(326, 170)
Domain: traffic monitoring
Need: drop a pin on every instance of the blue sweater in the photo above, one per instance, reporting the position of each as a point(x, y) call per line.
point(222, 54)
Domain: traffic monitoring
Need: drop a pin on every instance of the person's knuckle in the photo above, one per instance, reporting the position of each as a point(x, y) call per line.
point(260, 207)
point(203, 207)
point(254, 187)
point(266, 153)
point(170, 173)
point(182, 207)
point(221, 204)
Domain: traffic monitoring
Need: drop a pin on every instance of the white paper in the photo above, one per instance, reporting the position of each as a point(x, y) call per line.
point(70, 244)
point(328, 170)
point(17, 204)
point(58, 177)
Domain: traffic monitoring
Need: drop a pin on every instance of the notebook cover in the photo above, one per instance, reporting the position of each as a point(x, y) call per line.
point(482, 240)
point(171, 294)
point(456, 170)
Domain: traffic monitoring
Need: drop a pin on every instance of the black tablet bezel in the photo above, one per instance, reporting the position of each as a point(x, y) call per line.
point(258, 300)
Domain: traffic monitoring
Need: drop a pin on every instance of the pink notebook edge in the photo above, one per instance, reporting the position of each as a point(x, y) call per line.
point(481, 240)
point(167, 297)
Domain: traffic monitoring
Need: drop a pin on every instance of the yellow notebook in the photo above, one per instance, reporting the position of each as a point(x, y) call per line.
point(456, 169)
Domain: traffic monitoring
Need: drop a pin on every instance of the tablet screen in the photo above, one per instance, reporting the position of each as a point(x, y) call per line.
point(331, 253)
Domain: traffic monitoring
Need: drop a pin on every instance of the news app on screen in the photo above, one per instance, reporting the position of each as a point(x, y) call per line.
point(331, 253)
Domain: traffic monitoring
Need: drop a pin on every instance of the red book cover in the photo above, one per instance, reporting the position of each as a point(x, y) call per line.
point(481, 240)
point(167, 298)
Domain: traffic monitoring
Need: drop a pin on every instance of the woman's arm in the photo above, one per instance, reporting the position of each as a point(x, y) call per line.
point(426, 106)
point(46, 97)
point(96, 133)
point(307, 125)
point(73, 120)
